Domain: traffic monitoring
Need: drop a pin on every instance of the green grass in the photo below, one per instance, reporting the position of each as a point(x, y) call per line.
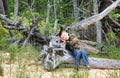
point(113, 53)
point(1, 70)
point(80, 74)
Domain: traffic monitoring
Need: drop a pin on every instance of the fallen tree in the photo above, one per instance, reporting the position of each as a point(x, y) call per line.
point(55, 54)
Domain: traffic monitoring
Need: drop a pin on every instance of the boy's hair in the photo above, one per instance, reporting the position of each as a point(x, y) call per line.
point(60, 32)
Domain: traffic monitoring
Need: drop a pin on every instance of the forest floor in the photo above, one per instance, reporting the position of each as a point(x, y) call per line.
point(25, 65)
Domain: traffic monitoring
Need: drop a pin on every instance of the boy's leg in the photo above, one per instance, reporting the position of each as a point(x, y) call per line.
point(84, 56)
point(77, 56)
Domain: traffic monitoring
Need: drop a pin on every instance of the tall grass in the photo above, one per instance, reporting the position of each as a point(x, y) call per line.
point(13, 50)
point(1, 70)
point(113, 53)
point(80, 74)
point(113, 74)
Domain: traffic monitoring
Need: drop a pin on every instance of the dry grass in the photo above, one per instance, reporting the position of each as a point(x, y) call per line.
point(25, 65)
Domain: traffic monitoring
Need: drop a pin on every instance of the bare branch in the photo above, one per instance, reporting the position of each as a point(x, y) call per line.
point(47, 18)
point(3, 17)
point(88, 42)
point(30, 34)
point(14, 27)
point(32, 3)
point(115, 22)
point(90, 20)
point(31, 10)
point(55, 26)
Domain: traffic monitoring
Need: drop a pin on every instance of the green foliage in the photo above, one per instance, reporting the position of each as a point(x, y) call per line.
point(3, 31)
point(3, 36)
point(115, 14)
point(13, 50)
point(11, 15)
point(113, 52)
point(111, 36)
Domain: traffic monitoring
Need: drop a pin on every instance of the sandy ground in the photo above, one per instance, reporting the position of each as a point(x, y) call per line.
point(30, 69)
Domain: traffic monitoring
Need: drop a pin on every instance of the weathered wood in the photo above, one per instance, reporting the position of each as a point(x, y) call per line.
point(89, 42)
point(76, 12)
point(2, 10)
point(98, 26)
point(47, 18)
point(55, 54)
point(30, 34)
point(16, 10)
point(98, 63)
point(115, 22)
point(104, 63)
point(3, 17)
point(55, 26)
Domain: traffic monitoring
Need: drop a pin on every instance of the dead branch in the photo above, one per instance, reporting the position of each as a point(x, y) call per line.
point(30, 9)
point(55, 26)
point(106, 38)
point(30, 34)
point(47, 18)
point(32, 3)
point(115, 22)
point(89, 42)
point(9, 21)
point(90, 20)
point(14, 27)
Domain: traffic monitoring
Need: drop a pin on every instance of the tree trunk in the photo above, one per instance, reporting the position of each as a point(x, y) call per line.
point(76, 12)
point(2, 10)
point(6, 7)
point(47, 18)
point(98, 26)
point(16, 10)
point(98, 63)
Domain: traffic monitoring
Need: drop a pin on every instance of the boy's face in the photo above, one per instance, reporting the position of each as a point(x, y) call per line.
point(64, 36)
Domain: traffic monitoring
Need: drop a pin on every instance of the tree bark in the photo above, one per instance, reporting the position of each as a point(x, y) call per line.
point(98, 63)
point(16, 10)
point(47, 19)
point(76, 12)
point(55, 26)
point(98, 26)
point(91, 20)
point(2, 10)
